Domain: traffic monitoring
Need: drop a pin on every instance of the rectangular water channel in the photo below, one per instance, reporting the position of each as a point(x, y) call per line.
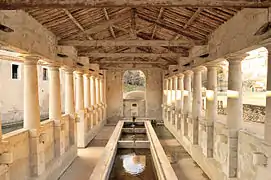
point(133, 152)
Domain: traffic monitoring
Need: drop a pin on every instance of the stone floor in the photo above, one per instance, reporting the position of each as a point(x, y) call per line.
point(183, 165)
point(84, 164)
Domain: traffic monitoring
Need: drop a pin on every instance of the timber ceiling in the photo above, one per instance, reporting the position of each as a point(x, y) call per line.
point(78, 25)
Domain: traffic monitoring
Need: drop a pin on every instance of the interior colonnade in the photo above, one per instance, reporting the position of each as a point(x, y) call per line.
point(49, 147)
point(220, 148)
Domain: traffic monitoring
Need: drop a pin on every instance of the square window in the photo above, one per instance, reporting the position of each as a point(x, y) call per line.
point(44, 74)
point(15, 71)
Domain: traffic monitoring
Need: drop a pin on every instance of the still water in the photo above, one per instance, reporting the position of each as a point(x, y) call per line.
point(133, 164)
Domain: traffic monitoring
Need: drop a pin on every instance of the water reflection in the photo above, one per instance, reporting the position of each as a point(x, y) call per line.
point(133, 164)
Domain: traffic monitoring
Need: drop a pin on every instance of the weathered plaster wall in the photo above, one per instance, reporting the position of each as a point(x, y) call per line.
point(238, 33)
point(127, 103)
point(114, 95)
point(11, 93)
point(28, 35)
point(154, 96)
point(251, 147)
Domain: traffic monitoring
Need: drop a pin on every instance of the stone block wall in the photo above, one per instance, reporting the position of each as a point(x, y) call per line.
point(11, 93)
point(253, 113)
point(18, 144)
point(114, 94)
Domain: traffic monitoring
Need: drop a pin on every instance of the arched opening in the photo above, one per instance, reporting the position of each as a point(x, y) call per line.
point(134, 93)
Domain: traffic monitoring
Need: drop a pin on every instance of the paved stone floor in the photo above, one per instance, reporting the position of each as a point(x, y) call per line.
point(183, 165)
point(84, 164)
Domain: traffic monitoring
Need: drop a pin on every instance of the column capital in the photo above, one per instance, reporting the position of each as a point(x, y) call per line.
point(180, 75)
point(68, 70)
point(31, 60)
point(54, 67)
point(212, 66)
point(236, 58)
point(87, 75)
point(188, 73)
point(198, 69)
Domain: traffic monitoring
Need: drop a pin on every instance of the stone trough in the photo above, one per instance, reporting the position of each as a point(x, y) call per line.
point(133, 151)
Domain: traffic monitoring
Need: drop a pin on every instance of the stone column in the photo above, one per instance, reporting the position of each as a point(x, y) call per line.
point(31, 94)
point(69, 92)
point(165, 86)
point(102, 99)
point(197, 104)
point(173, 96)
point(86, 91)
point(97, 98)
point(211, 107)
point(187, 100)
point(54, 94)
point(267, 122)
point(170, 83)
point(79, 91)
point(55, 106)
point(93, 99)
point(179, 100)
point(32, 116)
point(69, 103)
point(235, 111)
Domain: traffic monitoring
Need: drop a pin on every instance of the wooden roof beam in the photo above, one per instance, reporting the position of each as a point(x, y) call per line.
point(110, 26)
point(158, 18)
point(193, 17)
point(114, 43)
point(21, 4)
point(131, 55)
point(76, 23)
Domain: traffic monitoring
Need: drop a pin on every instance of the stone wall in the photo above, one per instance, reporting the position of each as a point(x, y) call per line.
point(51, 166)
point(253, 113)
point(114, 94)
point(141, 104)
point(11, 93)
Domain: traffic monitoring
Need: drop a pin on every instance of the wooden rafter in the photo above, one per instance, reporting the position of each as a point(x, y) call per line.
point(76, 23)
point(194, 16)
point(158, 18)
point(19, 4)
point(131, 43)
point(110, 26)
point(131, 55)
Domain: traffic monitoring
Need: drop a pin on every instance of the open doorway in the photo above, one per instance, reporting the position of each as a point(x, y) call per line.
point(134, 93)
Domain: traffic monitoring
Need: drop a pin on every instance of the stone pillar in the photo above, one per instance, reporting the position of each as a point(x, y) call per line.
point(187, 100)
point(173, 96)
point(31, 94)
point(54, 94)
point(79, 91)
point(165, 86)
point(55, 106)
point(197, 104)
point(267, 122)
point(211, 107)
point(97, 99)
point(102, 99)
point(69, 103)
point(170, 83)
point(93, 99)
point(32, 116)
point(179, 100)
point(86, 91)
point(235, 111)
point(69, 92)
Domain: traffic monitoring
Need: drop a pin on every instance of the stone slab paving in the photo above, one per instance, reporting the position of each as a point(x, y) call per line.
point(184, 166)
point(84, 164)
